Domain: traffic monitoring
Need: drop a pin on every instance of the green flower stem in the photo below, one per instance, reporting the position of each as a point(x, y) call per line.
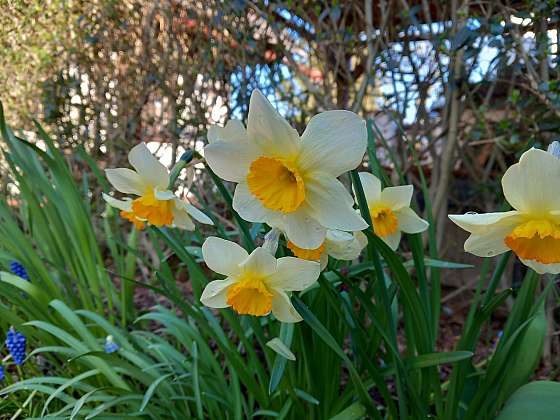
point(249, 242)
point(383, 295)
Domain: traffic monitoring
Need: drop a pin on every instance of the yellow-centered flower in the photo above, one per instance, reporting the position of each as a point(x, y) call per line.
point(286, 180)
point(338, 244)
point(156, 204)
point(390, 210)
point(255, 284)
point(532, 229)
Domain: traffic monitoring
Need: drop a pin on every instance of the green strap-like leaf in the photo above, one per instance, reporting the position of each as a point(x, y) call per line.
point(536, 400)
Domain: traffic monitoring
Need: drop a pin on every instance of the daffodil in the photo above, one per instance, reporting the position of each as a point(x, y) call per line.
point(156, 203)
point(255, 284)
point(390, 210)
point(532, 229)
point(338, 244)
point(286, 180)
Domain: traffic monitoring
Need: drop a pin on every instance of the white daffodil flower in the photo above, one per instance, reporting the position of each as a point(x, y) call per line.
point(338, 244)
point(532, 229)
point(256, 284)
point(390, 210)
point(156, 203)
point(286, 180)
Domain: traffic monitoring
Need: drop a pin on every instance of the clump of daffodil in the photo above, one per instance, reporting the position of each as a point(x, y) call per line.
point(256, 284)
point(338, 244)
point(286, 180)
point(390, 210)
point(156, 203)
point(532, 229)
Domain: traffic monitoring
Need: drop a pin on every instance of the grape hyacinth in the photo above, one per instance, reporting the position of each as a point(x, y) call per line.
point(1, 373)
point(15, 342)
point(19, 270)
point(110, 345)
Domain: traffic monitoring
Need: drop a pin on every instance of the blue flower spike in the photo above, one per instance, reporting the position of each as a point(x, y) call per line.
point(19, 270)
point(16, 342)
point(110, 345)
point(1, 373)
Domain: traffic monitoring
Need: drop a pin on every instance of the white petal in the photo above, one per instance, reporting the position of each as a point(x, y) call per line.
point(230, 161)
point(148, 167)
point(283, 309)
point(488, 245)
point(181, 219)
point(337, 237)
point(392, 240)
point(410, 222)
point(223, 257)
point(542, 268)
point(371, 185)
point(397, 197)
point(317, 182)
point(126, 181)
point(233, 132)
point(267, 129)
point(490, 242)
point(302, 229)
point(344, 245)
point(260, 262)
point(215, 293)
point(197, 215)
point(164, 195)
point(124, 205)
point(531, 185)
point(331, 204)
point(334, 141)
point(248, 206)
point(478, 223)
point(294, 274)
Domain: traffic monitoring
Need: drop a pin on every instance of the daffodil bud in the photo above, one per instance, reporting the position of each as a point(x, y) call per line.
point(187, 156)
point(184, 160)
